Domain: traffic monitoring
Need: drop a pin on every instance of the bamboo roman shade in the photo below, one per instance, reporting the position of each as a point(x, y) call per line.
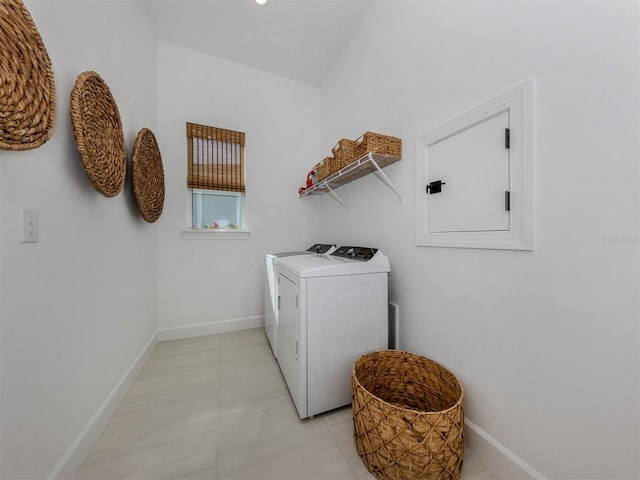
point(215, 159)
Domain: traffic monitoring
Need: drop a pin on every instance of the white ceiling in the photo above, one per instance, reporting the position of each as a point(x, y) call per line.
point(297, 39)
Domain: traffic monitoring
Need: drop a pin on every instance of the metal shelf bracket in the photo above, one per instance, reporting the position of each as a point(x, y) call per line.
point(369, 163)
point(337, 198)
point(385, 179)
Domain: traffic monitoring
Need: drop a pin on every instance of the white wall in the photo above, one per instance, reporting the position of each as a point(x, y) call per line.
point(213, 282)
point(79, 306)
point(545, 342)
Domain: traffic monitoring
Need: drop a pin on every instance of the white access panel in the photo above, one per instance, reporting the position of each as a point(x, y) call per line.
point(271, 296)
point(473, 165)
point(291, 328)
point(270, 303)
point(271, 287)
point(346, 318)
point(483, 216)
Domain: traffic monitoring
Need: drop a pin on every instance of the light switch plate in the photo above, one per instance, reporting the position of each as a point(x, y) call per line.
point(30, 225)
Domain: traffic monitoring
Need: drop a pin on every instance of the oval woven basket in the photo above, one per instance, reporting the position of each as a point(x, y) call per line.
point(408, 417)
point(97, 130)
point(27, 89)
point(148, 175)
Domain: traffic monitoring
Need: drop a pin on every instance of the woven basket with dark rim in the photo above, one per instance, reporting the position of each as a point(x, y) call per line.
point(323, 168)
point(331, 165)
point(408, 417)
point(27, 89)
point(147, 175)
point(343, 152)
point(97, 130)
point(378, 143)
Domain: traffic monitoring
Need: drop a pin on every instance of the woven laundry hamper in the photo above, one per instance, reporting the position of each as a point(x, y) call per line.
point(408, 417)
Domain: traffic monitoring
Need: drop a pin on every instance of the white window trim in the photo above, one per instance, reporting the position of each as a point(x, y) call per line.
point(212, 234)
point(519, 102)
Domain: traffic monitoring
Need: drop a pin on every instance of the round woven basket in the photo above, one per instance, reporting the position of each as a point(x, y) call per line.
point(97, 130)
point(27, 89)
point(147, 175)
point(408, 417)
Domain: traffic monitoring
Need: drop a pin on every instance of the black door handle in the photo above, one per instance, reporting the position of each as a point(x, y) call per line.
point(435, 187)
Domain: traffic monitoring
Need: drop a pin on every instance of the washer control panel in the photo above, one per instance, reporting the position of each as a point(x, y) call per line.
point(320, 248)
point(364, 254)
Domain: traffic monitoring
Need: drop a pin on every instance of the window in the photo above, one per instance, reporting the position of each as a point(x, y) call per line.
point(216, 209)
point(216, 175)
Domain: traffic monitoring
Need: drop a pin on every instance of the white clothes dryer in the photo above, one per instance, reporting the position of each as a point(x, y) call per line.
point(271, 288)
point(332, 309)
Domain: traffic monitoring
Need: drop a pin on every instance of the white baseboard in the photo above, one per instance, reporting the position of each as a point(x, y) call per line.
point(72, 460)
point(209, 328)
point(502, 461)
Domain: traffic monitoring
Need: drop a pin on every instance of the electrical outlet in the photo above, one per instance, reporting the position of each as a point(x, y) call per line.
point(30, 223)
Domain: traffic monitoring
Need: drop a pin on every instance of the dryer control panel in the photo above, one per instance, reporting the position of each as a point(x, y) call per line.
point(363, 254)
point(320, 248)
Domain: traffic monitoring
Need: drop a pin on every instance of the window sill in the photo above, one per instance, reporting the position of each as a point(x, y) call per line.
point(212, 234)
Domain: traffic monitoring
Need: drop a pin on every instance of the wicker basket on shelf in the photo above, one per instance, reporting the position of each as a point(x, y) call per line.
point(343, 152)
point(408, 417)
point(334, 165)
point(378, 143)
point(323, 168)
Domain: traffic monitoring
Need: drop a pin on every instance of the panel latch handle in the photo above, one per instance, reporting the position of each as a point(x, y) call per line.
point(435, 187)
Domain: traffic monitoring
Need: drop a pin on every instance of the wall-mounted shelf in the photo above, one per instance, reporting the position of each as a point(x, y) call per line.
point(369, 163)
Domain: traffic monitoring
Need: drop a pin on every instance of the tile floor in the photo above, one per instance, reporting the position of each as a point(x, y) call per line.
point(216, 407)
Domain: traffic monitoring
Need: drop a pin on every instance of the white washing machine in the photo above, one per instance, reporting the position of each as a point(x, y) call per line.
point(271, 288)
point(333, 308)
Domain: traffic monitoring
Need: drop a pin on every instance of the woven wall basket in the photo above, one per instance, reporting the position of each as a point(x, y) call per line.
point(27, 89)
point(408, 417)
point(97, 130)
point(148, 176)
